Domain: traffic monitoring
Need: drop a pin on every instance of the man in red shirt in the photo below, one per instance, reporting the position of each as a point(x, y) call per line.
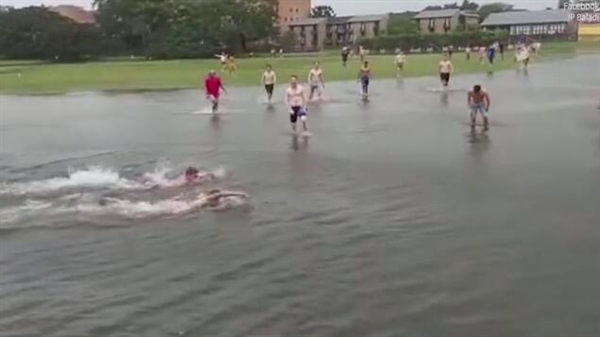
point(213, 86)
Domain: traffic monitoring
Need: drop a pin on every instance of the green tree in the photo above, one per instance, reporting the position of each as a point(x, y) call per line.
point(37, 33)
point(402, 23)
point(322, 12)
point(495, 7)
point(469, 6)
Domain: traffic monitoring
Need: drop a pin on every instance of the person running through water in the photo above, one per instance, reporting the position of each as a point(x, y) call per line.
point(522, 55)
point(479, 102)
point(491, 54)
point(296, 100)
point(399, 61)
point(268, 80)
point(345, 54)
point(316, 80)
point(364, 76)
point(445, 69)
point(213, 87)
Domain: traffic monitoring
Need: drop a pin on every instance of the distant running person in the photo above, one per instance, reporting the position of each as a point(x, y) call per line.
point(479, 102)
point(364, 76)
point(445, 69)
point(296, 101)
point(213, 87)
point(268, 80)
point(345, 54)
point(399, 61)
point(316, 80)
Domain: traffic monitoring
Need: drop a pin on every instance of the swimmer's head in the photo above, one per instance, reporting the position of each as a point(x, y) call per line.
point(477, 88)
point(191, 174)
point(366, 64)
point(293, 80)
point(269, 67)
point(212, 73)
point(445, 56)
point(317, 64)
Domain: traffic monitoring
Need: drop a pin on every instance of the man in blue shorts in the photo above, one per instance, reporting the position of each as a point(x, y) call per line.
point(479, 102)
point(295, 97)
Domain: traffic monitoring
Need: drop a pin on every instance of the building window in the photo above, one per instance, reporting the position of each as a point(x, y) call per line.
point(376, 28)
point(446, 25)
point(363, 29)
point(431, 25)
point(285, 19)
point(296, 10)
point(291, 10)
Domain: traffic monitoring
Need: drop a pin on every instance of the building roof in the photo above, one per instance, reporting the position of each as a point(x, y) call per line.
point(337, 20)
point(368, 18)
point(524, 17)
point(307, 22)
point(74, 13)
point(442, 13)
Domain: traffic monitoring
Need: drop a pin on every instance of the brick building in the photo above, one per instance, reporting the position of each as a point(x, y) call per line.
point(445, 20)
point(290, 11)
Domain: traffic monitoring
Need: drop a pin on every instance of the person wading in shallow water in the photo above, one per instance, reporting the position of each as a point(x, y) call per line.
point(479, 102)
point(213, 87)
point(268, 80)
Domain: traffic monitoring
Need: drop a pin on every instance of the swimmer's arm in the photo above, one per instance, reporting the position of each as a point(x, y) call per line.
point(322, 78)
point(469, 99)
point(232, 194)
point(222, 87)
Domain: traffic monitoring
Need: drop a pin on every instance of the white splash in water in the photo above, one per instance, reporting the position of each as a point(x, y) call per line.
point(93, 177)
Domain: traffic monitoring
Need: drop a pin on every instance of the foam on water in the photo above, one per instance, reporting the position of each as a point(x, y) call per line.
point(96, 177)
point(93, 177)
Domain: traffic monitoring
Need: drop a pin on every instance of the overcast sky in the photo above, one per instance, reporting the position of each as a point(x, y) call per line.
point(341, 7)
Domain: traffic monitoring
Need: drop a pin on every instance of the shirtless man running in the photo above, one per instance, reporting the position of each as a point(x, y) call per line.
point(296, 101)
point(479, 102)
point(268, 80)
point(316, 80)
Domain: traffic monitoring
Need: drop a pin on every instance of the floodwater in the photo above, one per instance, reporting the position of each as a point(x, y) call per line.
point(392, 219)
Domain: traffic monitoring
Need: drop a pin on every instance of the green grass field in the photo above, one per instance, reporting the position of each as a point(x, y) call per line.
point(22, 77)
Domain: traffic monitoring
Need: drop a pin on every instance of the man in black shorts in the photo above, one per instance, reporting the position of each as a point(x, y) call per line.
point(268, 80)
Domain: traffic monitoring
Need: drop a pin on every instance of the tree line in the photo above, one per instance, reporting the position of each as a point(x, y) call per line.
point(160, 29)
point(155, 29)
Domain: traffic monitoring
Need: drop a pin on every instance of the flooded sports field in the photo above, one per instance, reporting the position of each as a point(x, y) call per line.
point(391, 219)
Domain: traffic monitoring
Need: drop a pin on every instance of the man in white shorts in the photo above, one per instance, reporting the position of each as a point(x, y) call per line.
point(296, 101)
point(316, 81)
point(399, 61)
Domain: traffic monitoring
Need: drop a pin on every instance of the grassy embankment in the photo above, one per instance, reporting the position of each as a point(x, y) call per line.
point(25, 77)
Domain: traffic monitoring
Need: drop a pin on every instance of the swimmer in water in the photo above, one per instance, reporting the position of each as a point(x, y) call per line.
point(213, 87)
point(445, 69)
point(364, 76)
point(216, 200)
point(316, 80)
point(479, 102)
point(268, 80)
point(296, 101)
point(193, 176)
